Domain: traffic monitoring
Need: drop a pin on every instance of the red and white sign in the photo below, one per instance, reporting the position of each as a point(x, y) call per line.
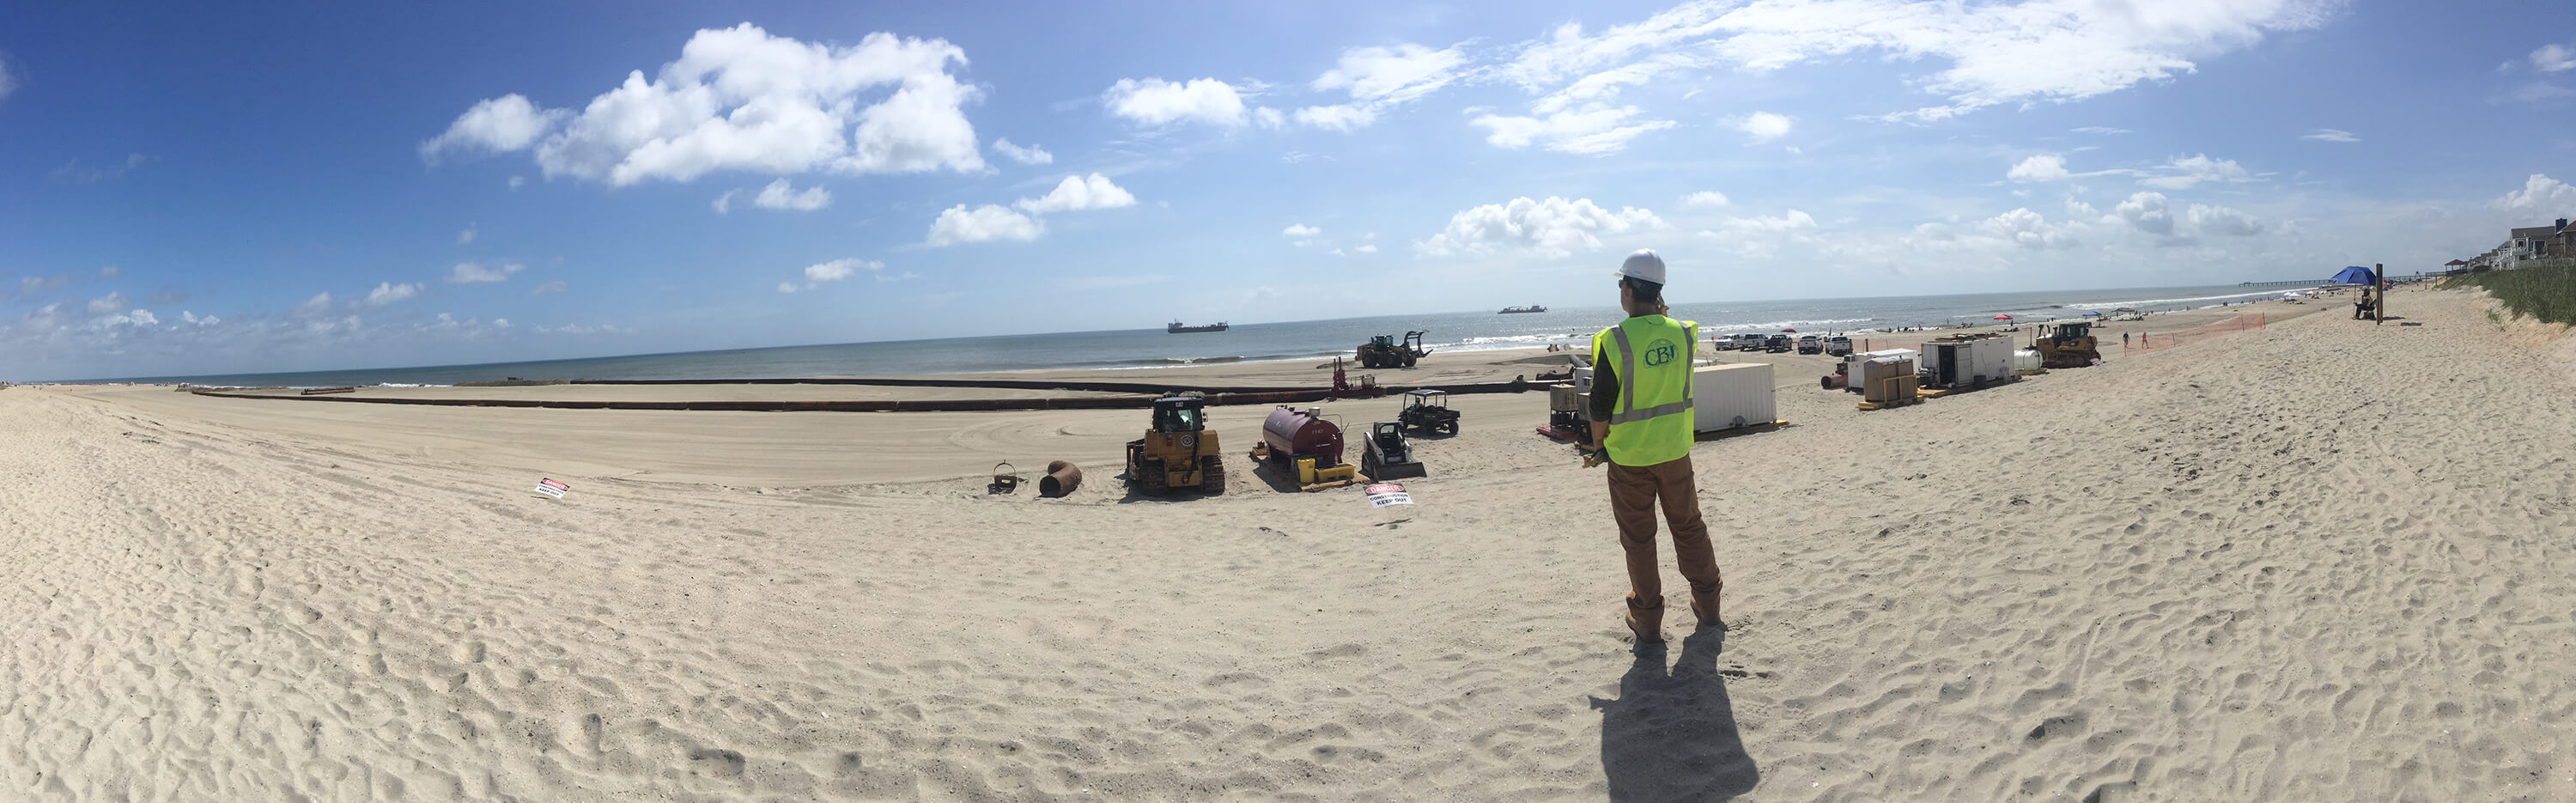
point(552, 488)
point(1388, 493)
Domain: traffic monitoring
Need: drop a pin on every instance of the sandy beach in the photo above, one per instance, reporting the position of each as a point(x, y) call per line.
point(2324, 560)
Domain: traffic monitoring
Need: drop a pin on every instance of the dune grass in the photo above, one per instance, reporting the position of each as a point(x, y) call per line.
point(2546, 290)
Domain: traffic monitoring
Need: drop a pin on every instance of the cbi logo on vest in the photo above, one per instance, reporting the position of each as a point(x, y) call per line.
point(1661, 351)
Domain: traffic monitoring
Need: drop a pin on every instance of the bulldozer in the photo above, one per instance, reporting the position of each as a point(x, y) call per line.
point(1385, 351)
point(2067, 345)
point(1388, 456)
point(1178, 452)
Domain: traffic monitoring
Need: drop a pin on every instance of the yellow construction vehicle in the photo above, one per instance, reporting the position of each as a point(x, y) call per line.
point(2067, 345)
point(1179, 452)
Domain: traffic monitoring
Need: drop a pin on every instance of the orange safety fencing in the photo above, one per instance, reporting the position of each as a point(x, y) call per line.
point(2159, 341)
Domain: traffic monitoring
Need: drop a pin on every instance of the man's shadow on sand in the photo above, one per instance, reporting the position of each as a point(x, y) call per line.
point(1673, 737)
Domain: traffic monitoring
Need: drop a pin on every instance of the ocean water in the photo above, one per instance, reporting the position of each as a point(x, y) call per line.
point(1302, 340)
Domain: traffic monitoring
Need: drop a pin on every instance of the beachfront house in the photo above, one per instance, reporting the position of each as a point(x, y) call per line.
point(2531, 242)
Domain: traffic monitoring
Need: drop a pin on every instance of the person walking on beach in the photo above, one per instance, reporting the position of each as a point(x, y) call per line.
point(1641, 422)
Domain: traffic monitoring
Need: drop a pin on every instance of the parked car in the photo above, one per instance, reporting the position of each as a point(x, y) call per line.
point(1838, 346)
point(1751, 342)
point(1722, 343)
point(1811, 344)
point(1778, 343)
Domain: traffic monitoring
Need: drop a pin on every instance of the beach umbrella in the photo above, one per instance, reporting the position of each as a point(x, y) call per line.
point(1793, 331)
point(2003, 317)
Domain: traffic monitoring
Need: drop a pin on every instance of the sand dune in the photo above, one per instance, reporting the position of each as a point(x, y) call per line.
point(2327, 560)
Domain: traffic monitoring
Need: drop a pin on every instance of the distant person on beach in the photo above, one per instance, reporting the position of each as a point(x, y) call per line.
point(1641, 422)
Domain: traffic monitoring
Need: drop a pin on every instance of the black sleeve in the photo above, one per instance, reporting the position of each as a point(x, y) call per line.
point(1605, 389)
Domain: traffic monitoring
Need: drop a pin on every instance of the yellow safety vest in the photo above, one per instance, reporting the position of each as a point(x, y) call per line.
point(1651, 423)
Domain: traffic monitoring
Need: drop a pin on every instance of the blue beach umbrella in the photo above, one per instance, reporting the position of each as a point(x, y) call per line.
point(2356, 274)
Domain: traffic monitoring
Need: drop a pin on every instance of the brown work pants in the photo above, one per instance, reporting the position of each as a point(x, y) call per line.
point(1633, 491)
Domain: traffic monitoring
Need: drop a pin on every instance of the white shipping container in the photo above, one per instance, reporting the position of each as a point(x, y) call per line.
point(1727, 396)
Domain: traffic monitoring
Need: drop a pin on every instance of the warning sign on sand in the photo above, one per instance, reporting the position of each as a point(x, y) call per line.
point(1388, 493)
point(552, 488)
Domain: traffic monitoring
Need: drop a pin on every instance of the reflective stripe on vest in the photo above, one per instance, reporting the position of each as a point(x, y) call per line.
point(1624, 412)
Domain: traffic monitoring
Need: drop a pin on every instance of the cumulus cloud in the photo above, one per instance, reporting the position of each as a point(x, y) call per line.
point(958, 224)
point(2330, 135)
point(1591, 131)
point(741, 99)
point(1763, 126)
point(2549, 58)
point(2539, 192)
point(107, 304)
point(475, 272)
point(1704, 199)
point(1079, 192)
point(1793, 221)
point(2146, 211)
point(1154, 101)
point(2044, 167)
point(832, 271)
point(2184, 172)
point(318, 304)
point(1369, 248)
point(388, 292)
point(1996, 53)
point(1031, 155)
point(2028, 229)
point(1299, 231)
point(1553, 228)
point(1378, 79)
point(781, 195)
point(2222, 220)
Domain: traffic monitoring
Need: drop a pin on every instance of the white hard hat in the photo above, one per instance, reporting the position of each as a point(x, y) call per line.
point(1642, 266)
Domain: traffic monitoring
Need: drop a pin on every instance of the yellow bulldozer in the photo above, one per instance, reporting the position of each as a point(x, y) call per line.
point(2067, 345)
point(1178, 452)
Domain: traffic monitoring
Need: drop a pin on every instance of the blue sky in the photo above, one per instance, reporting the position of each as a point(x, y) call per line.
point(188, 188)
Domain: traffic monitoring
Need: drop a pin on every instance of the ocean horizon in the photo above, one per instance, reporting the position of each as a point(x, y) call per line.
point(1128, 349)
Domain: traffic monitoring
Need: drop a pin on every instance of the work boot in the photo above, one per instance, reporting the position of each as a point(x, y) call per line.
point(1646, 619)
point(1704, 605)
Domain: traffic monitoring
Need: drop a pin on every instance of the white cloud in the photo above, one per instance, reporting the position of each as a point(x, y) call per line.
point(2549, 58)
point(1704, 199)
point(782, 195)
point(2027, 229)
point(1300, 231)
point(2100, 129)
point(318, 304)
point(191, 317)
point(741, 99)
point(107, 304)
point(388, 292)
point(1553, 228)
point(2222, 220)
point(1343, 117)
point(2146, 211)
point(787, 287)
point(1763, 126)
point(1591, 131)
point(1370, 248)
point(109, 271)
point(1793, 221)
point(1154, 101)
point(1268, 117)
point(2197, 168)
point(1378, 79)
point(1031, 155)
point(518, 181)
point(724, 203)
point(984, 223)
point(555, 286)
point(2540, 192)
point(471, 272)
point(507, 123)
point(465, 237)
point(1996, 53)
point(2043, 167)
point(1078, 192)
point(839, 269)
point(2330, 135)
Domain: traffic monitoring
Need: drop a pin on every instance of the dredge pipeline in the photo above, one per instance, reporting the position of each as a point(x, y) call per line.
point(1215, 397)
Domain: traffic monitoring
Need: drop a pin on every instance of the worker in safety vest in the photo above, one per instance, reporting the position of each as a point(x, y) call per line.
point(1641, 422)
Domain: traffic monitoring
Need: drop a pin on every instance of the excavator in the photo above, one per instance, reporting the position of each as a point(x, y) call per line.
point(2067, 345)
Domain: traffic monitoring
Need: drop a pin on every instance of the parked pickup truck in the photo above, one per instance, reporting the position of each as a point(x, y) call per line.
point(1778, 343)
point(1811, 344)
point(1838, 346)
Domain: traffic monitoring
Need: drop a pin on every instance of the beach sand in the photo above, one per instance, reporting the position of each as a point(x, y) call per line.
point(2324, 560)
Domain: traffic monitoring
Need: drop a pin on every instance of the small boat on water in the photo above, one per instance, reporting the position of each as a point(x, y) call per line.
point(1176, 327)
point(1530, 308)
